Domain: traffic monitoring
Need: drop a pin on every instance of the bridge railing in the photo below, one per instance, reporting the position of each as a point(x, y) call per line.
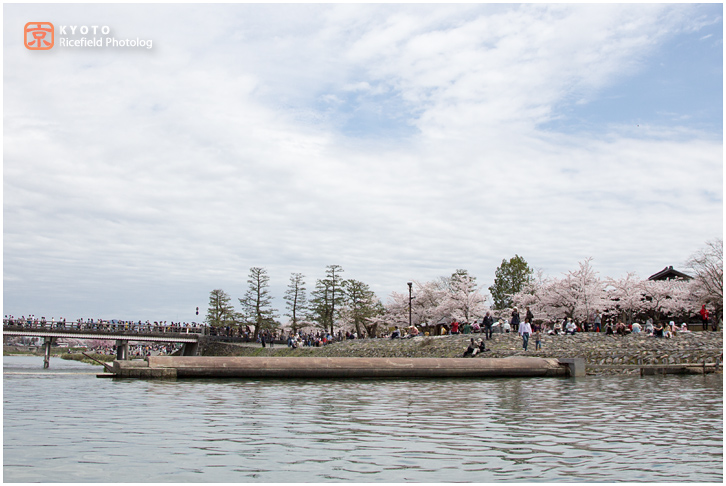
point(105, 326)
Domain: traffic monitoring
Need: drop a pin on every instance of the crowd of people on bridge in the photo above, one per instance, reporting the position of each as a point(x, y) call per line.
point(107, 325)
point(139, 350)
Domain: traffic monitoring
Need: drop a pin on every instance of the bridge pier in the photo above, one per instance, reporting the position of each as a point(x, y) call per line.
point(122, 350)
point(190, 349)
point(46, 345)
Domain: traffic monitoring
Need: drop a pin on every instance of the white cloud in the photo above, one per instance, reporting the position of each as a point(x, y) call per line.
point(135, 182)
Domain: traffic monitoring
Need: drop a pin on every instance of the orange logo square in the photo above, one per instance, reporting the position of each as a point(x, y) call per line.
point(39, 36)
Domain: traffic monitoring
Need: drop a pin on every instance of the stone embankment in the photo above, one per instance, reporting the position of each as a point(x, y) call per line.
point(602, 353)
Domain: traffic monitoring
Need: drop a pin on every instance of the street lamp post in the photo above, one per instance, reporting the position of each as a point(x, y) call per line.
point(410, 298)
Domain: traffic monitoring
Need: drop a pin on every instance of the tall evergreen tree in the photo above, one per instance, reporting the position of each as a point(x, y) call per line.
point(361, 305)
point(220, 312)
point(256, 303)
point(296, 300)
point(509, 279)
point(319, 306)
point(327, 296)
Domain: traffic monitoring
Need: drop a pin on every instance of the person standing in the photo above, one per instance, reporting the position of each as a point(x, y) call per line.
point(529, 317)
point(525, 330)
point(454, 327)
point(704, 317)
point(515, 320)
point(537, 340)
point(598, 321)
point(488, 322)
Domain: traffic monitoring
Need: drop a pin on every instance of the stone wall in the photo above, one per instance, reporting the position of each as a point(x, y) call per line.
point(598, 350)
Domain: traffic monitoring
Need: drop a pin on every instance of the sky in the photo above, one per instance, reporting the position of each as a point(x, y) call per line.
point(401, 142)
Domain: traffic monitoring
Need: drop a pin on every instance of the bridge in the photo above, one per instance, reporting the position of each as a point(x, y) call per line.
point(122, 333)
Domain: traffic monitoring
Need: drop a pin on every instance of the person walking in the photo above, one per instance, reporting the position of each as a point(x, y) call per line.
point(525, 330)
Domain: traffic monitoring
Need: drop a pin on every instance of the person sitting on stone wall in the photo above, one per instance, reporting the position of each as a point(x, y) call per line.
point(570, 328)
point(472, 349)
point(505, 326)
point(658, 330)
point(413, 331)
point(671, 329)
point(481, 345)
point(556, 328)
point(620, 329)
point(649, 327)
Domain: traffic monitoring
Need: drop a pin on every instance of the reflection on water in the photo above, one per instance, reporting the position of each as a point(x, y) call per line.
point(66, 425)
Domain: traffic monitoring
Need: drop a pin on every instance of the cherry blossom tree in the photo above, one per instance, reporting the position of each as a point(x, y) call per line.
point(456, 297)
point(576, 295)
point(588, 289)
point(464, 300)
point(626, 296)
point(426, 305)
point(397, 308)
point(529, 296)
point(664, 298)
point(707, 266)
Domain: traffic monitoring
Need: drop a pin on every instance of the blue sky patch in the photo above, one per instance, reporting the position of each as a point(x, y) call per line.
point(680, 85)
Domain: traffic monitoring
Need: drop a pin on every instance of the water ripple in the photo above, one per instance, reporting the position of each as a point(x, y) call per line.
point(600, 429)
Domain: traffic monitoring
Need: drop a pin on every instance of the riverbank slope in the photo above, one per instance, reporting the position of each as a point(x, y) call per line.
point(603, 353)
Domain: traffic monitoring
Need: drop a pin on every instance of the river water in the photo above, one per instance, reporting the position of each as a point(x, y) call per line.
point(66, 425)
